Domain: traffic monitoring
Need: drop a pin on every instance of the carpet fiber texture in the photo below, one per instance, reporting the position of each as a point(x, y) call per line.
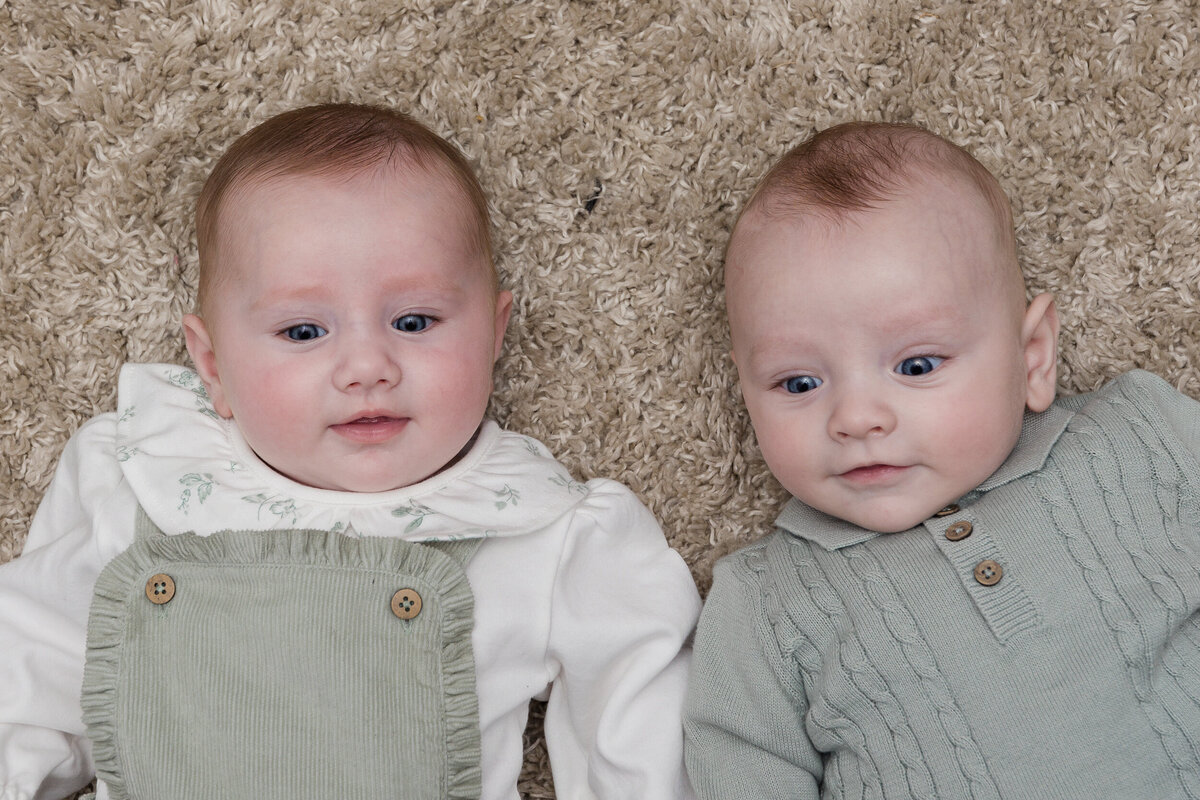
point(616, 141)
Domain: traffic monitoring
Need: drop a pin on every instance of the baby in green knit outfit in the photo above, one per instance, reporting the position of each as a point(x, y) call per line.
point(975, 591)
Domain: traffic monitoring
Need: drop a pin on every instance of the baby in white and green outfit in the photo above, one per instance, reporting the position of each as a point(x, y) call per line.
point(313, 568)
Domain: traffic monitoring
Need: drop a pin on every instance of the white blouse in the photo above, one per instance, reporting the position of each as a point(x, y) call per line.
point(578, 598)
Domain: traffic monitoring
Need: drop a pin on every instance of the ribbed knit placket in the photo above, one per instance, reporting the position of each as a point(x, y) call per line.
point(985, 572)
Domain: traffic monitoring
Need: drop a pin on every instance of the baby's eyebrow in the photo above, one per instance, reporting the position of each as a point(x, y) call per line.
point(767, 350)
point(925, 326)
point(936, 320)
point(418, 290)
point(290, 294)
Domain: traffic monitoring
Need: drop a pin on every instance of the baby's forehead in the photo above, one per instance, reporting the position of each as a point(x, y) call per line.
point(247, 199)
point(258, 202)
point(945, 233)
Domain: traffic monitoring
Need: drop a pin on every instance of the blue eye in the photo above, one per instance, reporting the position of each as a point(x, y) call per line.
point(919, 365)
point(304, 332)
point(800, 384)
point(412, 323)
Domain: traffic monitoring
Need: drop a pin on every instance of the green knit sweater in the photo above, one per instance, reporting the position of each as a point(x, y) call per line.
point(834, 662)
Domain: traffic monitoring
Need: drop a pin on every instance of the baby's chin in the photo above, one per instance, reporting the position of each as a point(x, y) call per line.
point(348, 483)
point(367, 481)
point(894, 526)
point(887, 520)
point(375, 478)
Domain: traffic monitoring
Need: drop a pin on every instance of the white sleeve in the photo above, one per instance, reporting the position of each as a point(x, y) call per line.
point(623, 607)
point(45, 595)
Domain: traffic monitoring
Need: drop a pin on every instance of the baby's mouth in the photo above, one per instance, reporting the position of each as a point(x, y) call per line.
point(371, 429)
point(873, 473)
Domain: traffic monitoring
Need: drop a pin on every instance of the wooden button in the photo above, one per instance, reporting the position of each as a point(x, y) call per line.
point(406, 603)
point(959, 531)
point(160, 589)
point(948, 510)
point(988, 572)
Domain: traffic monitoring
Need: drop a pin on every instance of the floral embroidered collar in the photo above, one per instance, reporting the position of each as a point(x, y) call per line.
point(191, 470)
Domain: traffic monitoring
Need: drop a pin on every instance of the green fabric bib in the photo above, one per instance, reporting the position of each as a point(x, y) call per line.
point(283, 664)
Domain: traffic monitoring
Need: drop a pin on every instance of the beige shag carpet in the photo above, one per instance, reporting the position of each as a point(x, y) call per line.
point(616, 140)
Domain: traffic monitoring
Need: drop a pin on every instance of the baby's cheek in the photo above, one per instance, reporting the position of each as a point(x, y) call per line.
point(276, 410)
point(275, 401)
point(466, 379)
point(976, 444)
point(789, 460)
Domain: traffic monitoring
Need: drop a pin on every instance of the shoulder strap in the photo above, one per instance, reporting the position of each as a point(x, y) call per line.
point(461, 550)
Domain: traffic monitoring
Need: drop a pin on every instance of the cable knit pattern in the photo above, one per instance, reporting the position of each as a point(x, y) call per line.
point(1076, 676)
point(1121, 449)
point(868, 691)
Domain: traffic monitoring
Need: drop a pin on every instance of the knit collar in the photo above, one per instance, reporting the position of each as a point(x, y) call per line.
point(191, 470)
point(1039, 432)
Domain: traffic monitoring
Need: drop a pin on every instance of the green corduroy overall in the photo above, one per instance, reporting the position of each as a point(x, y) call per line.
point(283, 664)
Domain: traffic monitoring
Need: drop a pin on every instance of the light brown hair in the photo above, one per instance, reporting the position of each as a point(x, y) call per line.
point(856, 166)
point(330, 139)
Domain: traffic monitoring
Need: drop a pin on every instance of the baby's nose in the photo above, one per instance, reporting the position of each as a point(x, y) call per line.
point(365, 363)
point(860, 415)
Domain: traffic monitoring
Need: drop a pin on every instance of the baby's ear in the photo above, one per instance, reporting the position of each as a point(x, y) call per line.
point(200, 348)
point(504, 302)
point(1039, 334)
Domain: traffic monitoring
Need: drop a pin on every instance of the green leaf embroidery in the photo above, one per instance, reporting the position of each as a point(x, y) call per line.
point(416, 510)
point(203, 485)
point(508, 496)
point(568, 483)
point(188, 379)
point(285, 507)
point(282, 507)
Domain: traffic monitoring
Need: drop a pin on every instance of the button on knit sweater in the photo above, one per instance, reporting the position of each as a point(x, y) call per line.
point(835, 662)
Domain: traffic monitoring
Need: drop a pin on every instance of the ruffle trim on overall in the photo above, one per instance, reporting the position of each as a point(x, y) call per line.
point(123, 582)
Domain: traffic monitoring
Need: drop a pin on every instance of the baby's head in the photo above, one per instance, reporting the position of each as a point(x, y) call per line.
point(349, 313)
point(884, 346)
